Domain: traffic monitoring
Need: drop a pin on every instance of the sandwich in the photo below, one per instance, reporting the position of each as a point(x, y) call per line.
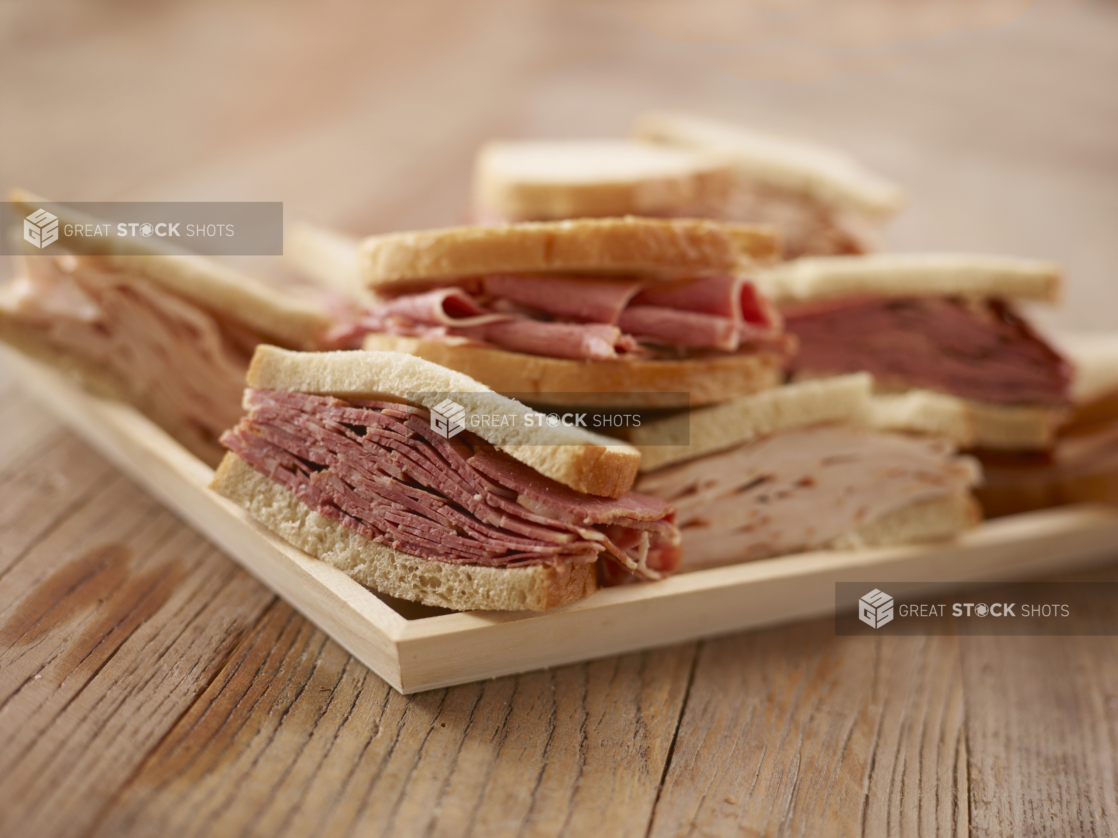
point(799, 468)
point(617, 312)
point(548, 180)
point(371, 462)
point(822, 201)
point(1082, 464)
point(943, 336)
point(171, 334)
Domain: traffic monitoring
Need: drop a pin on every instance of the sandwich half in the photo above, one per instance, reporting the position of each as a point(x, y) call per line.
point(1082, 465)
point(359, 459)
point(798, 468)
point(942, 334)
point(823, 201)
point(616, 312)
point(545, 180)
point(170, 334)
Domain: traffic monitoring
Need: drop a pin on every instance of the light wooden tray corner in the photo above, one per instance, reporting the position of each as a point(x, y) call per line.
point(415, 648)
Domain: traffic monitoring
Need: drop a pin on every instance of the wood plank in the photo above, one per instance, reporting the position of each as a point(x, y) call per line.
point(50, 486)
point(295, 737)
point(1042, 731)
point(799, 732)
point(28, 428)
point(110, 625)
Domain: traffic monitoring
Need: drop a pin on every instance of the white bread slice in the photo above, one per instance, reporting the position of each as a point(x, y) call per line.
point(1095, 358)
point(844, 399)
point(330, 258)
point(931, 520)
point(968, 423)
point(606, 384)
point(265, 309)
point(542, 179)
point(390, 571)
point(909, 274)
point(820, 173)
point(655, 248)
point(575, 457)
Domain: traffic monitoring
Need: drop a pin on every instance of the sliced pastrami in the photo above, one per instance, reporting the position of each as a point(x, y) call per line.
point(381, 470)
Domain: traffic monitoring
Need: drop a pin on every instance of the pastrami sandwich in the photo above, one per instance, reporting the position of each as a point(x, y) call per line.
point(171, 334)
point(545, 180)
point(822, 201)
point(341, 455)
point(609, 312)
point(942, 335)
point(798, 468)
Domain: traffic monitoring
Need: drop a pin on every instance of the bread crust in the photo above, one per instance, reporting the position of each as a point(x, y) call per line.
point(969, 423)
point(542, 179)
point(1095, 358)
point(930, 520)
point(584, 461)
point(663, 442)
point(656, 248)
point(390, 571)
point(605, 384)
point(910, 275)
point(823, 174)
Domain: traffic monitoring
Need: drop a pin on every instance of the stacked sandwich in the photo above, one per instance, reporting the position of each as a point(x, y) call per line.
point(683, 166)
point(343, 454)
point(800, 468)
point(626, 312)
point(170, 334)
point(943, 335)
point(1081, 464)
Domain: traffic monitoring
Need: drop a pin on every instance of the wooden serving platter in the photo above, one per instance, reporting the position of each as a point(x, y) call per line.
point(416, 648)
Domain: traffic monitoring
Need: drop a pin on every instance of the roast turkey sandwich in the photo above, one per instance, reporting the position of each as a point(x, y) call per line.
point(799, 468)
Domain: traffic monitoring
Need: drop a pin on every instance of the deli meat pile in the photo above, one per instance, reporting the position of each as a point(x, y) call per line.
point(381, 470)
point(583, 317)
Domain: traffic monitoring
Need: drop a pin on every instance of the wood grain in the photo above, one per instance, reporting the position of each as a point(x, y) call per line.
point(797, 732)
point(1042, 729)
point(295, 738)
point(114, 617)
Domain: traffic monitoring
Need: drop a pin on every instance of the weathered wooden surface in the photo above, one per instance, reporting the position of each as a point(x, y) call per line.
point(149, 687)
